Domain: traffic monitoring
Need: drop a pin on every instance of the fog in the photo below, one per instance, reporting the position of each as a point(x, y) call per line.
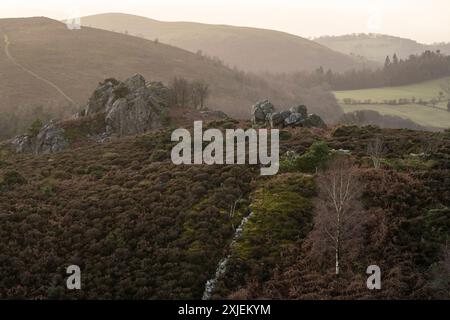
point(422, 20)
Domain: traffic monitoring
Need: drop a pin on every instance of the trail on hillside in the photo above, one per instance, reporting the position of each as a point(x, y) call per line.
point(48, 82)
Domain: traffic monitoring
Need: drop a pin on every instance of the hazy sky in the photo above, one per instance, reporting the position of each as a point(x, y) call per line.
point(422, 20)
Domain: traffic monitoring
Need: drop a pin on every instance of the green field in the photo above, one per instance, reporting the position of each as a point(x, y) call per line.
point(423, 115)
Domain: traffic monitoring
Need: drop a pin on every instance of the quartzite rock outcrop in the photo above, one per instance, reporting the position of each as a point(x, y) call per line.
point(263, 114)
point(128, 108)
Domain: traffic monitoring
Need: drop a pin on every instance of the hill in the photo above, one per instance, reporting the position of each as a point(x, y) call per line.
point(45, 64)
point(376, 47)
point(249, 49)
point(419, 102)
point(140, 227)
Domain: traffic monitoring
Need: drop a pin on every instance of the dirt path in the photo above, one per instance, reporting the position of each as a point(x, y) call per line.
point(48, 82)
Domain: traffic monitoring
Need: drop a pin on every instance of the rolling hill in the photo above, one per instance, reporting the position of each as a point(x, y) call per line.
point(376, 47)
point(43, 63)
point(249, 49)
point(417, 102)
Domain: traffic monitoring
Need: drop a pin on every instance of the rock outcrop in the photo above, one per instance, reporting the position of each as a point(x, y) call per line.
point(128, 107)
point(263, 114)
point(50, 139)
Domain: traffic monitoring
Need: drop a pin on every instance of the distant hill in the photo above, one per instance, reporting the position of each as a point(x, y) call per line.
point(376, 47)
point(42, 62)
point(249, 49)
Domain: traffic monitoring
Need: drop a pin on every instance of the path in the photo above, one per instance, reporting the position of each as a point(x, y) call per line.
point(48, 82)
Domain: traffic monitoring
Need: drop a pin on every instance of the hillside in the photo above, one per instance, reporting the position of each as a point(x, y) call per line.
point(376, 47)
point(45, 64)
point(249, 49)
point(419, 102)
point(143, 228)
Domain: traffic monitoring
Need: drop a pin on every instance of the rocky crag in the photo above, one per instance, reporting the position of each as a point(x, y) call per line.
point(264, 114)
point(129, 107)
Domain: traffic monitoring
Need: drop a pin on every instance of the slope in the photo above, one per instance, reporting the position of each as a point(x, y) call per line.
point(76, 60)
point(249, 49)
point(377, 46)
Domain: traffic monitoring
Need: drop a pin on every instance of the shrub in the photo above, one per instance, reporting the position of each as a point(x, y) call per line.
point(13, 178)
point(313, 159)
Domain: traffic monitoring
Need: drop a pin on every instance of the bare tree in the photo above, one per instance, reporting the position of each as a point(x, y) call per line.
point(376, 151)
point(200, 92)
point(179, 91)
point(339, 216)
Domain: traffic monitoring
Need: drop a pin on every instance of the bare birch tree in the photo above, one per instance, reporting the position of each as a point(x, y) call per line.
point(339, 216)
point(200, 92)
point(376, 151)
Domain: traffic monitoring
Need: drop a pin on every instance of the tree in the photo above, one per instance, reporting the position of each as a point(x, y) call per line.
point(395, 59)
point(179, 88)
point(376, 150)
point(448, 106)
point(200, 92)
point(35, 128)
point(339, 215)
point(387, 62)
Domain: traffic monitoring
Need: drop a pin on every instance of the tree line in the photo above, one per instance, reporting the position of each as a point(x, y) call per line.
point(395, 72)
point(184, 93)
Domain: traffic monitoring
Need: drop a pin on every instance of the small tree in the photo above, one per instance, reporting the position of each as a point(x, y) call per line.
point(35, 128)
point(179, 88)
point(339, 216)
point(376, 151)
point(200, 92)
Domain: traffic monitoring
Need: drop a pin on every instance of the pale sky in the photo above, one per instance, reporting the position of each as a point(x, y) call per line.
point(422, 20)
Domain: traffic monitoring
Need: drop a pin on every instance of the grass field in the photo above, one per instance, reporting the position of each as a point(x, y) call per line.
point(423, 115)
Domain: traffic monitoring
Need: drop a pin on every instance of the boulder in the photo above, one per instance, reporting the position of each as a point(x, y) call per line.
point(294, 119)
point(260, 112)
point(264, 112)
point(300, 109)
point(50, 139)
point(22, 144)
point(314, 120)
point(133, 115)
point(130, 107)
point(276, 119)
point(101, 97)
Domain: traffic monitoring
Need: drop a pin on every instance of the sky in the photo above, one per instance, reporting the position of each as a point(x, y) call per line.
point(425, 21)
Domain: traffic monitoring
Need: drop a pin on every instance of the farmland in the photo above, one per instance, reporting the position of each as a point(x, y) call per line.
point(421, 102)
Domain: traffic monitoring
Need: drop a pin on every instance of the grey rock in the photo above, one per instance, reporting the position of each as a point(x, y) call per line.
point(300, 109)
point(285, 114)
point(314, 120)
point(50, 139)
point(260, 112)
point(131, 106)
point(276, 119)
point(22, 144)
point(294, 119)
point(135, 82)
point(101, 97)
